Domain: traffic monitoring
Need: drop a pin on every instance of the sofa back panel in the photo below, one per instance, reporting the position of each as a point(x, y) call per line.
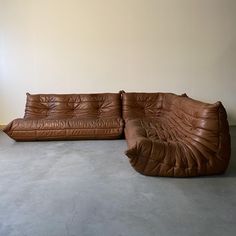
point(179, 110)
point(196, 114)
point(84, 106)
point(145, 105)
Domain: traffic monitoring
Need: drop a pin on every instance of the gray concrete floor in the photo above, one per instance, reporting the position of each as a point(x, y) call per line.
point(88, 188)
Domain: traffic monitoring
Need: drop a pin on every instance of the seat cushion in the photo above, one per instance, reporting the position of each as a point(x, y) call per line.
point(64, 129)
point(160, 148)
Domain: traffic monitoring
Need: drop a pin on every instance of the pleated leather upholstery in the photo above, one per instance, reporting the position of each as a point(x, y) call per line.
point(69, 116)
point(167, 135)
point(170, 135)
point(82, 106)
point(64, 129)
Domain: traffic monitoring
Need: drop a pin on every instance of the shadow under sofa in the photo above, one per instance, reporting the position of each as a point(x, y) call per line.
point(167, 134)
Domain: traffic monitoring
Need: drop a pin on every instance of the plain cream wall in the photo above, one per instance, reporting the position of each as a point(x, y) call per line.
point(74, 46)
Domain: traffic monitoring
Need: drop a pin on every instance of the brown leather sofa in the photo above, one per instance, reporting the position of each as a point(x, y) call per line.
point(167, 134)
point(68, 117)
point(170, 135)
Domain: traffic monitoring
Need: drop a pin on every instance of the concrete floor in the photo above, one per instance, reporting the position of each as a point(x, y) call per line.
point(88, 188)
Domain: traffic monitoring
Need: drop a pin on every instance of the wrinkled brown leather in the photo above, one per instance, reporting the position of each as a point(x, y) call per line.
point(170, 135)
point(145, 105)
point(62, 129)
point(82, 106)
point(70, 116)
point(167, 135)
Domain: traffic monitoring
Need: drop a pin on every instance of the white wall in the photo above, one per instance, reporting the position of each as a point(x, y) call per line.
point(73, 46)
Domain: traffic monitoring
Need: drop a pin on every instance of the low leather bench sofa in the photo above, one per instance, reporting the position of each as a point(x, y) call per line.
point(69, 117)
point(167, 134)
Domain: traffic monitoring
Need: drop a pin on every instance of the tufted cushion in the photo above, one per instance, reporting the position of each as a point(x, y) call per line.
point(185, 138)
point(146, 105)
point(83, 106)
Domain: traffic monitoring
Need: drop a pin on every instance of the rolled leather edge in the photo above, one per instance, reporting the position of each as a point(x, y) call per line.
point(8, 127)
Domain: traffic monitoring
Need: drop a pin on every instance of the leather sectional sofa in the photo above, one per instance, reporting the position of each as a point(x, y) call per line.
point(167, 134)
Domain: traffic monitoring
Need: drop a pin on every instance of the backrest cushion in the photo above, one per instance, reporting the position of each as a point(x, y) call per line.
point(145, 105)
point(84, 106)
point(196, 114)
